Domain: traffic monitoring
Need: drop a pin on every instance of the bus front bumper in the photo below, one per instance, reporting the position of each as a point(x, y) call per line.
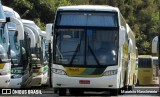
point(4, 81)
point(104, 82)
point(15, 83)
point(37, 80)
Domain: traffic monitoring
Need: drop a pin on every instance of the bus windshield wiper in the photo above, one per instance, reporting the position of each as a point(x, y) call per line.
point(76, 51)
point(93, 55)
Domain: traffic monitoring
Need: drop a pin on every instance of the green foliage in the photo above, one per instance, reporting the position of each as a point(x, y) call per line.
point(143, 16)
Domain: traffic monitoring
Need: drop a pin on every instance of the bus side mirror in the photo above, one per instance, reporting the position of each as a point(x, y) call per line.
point(122, 35)
point(19, 26)
point(49, 31)
point(154, 45)
point(43, 33)
point(31, 35)
point(130, 46)
point(35, 31)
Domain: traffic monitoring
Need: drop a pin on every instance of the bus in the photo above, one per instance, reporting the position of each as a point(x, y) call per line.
point(28, 46)
point(39, 63)
point(155, 70)
point(4, 50)
point(145, 70)
point(155, 53)
point(19, 71)
point(93, 49)
point(136, 67)
point(45, 62)
point(5, 65)
point(15, 50)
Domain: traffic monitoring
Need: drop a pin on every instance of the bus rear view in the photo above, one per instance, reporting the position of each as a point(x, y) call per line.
point(145, 70)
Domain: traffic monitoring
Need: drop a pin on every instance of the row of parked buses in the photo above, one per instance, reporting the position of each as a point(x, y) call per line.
point(87, 48)
point(93, 49)
point(23, 52)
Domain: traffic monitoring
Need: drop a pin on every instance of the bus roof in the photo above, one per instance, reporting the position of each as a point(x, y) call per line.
point(144, 56)
point(155, 57)
point(27, 21)
point(89, 8)
point(17, 15)
point(5, 8)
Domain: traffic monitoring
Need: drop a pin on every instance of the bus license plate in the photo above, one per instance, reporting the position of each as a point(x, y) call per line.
point(84, 81)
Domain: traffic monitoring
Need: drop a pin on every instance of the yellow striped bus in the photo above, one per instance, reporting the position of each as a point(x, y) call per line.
point(145, 70)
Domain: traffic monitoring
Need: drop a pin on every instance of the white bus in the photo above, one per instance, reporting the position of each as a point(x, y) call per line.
point(155, 70)
point(155, 54)
point(5, 65)
point(15, 50)
point(93, 49)
point(19, 70)
point(28, 46)
point(40, 64)
point(4, 49)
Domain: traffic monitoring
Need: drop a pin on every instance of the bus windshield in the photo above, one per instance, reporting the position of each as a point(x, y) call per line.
point(96, 19)
point(86, 38)
point(15, 45)
point(145, 63)
point(90, 47)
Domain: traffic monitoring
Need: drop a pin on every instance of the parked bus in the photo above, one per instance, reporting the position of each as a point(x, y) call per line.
point(19, 63)
point(155, 54)
point(93, 49)
point(136, 73)
point(40, 64)
point(145, 70)
point(28, 46)
point(15, 50)
point(155, 70)
point(5, 65)
point(4, 50)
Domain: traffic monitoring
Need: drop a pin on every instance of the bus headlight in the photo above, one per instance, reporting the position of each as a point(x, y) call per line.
point(58, 71)
point(110, 72)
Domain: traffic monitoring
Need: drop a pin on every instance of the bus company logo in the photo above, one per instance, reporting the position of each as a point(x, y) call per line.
point(6, 91)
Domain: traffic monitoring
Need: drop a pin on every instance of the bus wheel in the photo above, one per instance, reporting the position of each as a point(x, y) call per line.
point(76, 92)
point(114, 92)
point(62, 92)
point(137, 84)
point(130, 87)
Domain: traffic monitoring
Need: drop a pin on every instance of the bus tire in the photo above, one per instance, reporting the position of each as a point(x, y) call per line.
point(130, 87)
point(114, 92)
point(62, 92)
point(76, 92)
point(137, 84)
